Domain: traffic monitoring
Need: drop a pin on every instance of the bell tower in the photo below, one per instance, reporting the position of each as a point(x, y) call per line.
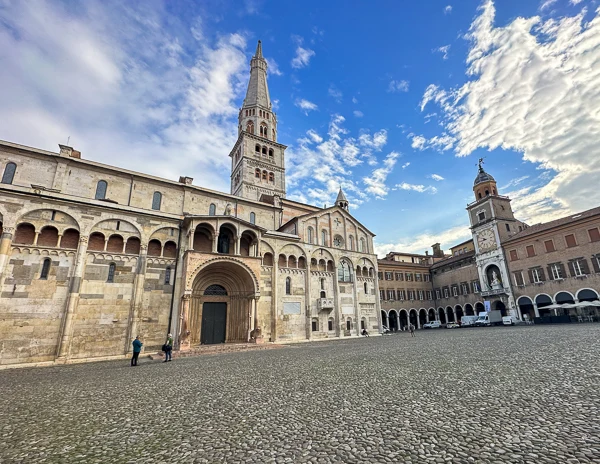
point(257, 160)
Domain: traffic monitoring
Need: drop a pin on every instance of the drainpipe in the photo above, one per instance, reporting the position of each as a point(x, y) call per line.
point(174, 278)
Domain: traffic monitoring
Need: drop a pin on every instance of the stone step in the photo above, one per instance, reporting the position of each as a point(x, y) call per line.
point(217, 349)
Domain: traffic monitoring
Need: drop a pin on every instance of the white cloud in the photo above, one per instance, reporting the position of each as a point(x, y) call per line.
point(448, 9)
point(416, 188)
point(354, 100)
point(444, 50)
point(421, 243)
point(398, 86)
point(303, 55)
point(376, 182)
point(418, 142)
point(335, 93)
point(358, 114)
point(436, 177)
point(319, 165)
point(514, 182)
point(305, 105)
point(534, 88)
point(547, 4)
point(575, 2)
point(405, 165)
point(116, 77)
point(273, 67)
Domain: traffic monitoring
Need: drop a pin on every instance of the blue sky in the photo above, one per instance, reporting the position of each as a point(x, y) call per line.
point(394, 101)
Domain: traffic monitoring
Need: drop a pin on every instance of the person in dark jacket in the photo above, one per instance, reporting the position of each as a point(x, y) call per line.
point(137, 348)
point(168, 348)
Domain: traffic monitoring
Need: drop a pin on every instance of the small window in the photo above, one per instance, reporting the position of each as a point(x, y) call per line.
point(519, 282)
point(45, 269)
point(9, 173)
point(570, 239)
point(118, 225)
point(366, 289)
point(330, 325)
point(549, 244)
point(507, 227)
point(271, 177)
point(530, 251)
point(257, 173)
point(53, 216)
point(156, 200)
point(168, 276)
point(315, 325)
point(101, 190)
point(323, 238)
point(212, 209)
point(111, 272)
point(348, 324)
point(288, 286)
point(270, 153)
point(481, 216)
point(264, 175)
point(594, 235)
point(310, 235)
point(513, 255)
point(252, 218)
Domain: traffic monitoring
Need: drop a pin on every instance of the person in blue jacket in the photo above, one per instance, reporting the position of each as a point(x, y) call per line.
point(137, 348)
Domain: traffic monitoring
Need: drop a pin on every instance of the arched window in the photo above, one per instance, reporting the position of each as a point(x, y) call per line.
point(212, 209)
point(101, 190)
point(250, 127)
point(9, 173)
point(257, 148)
point(252, 218)
point(156, 200)
point(264, 175)
point(344, 274)
point(264, 151)
point(310, 235)
point(288, 286)
point(271, 177)
point(257, 173)
point(323, 294)
point(323, 237)
point(351, 241)
point(111, 272)
point(270, 153)
point(168, 276)
point(215, 290)
point(361, 247)
point(45, 268)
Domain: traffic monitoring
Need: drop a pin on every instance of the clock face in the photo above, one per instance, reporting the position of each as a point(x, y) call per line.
point(486, 239)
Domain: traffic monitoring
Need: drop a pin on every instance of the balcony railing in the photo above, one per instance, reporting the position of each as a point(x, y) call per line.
point(325, 304)
point(495, 291)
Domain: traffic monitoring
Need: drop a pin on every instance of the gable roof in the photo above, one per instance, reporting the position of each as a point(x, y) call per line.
point(322, 211)
point(545, 226)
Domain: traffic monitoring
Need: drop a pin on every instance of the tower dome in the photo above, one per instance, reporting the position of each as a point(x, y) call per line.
point(484, 184)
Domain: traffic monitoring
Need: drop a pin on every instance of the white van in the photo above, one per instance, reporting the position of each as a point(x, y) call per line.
point(510, 320)
point(468, 321)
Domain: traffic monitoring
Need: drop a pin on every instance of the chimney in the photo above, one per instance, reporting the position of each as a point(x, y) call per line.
point(426, 252)
point(437, 250)
point(186, 180)
point(65, 150)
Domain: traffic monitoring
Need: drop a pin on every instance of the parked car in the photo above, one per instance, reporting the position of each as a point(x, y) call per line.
point(468, 321)
point(486, 319)
point(452, 325)
point(510, 320)
point(432, 325)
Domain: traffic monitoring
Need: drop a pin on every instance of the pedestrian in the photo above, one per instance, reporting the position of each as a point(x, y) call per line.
point(137, 348)
point(365, 333)
point(412, 330)
point(168, 348)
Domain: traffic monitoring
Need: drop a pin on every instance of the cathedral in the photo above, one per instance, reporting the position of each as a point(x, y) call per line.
point(93, 255)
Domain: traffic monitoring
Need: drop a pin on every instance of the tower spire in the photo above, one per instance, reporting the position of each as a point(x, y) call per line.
point(258, 53)
point(341, 200)
point(257, 94)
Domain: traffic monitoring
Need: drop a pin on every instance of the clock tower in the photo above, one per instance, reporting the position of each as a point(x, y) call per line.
point(492, 222)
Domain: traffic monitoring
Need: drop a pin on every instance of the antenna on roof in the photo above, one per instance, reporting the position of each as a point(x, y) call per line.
point(68, 140)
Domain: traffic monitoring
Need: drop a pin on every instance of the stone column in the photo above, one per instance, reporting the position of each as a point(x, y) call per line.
point(275, 293)
point(183, 319)
point(536, 310)
point(308, 300)
point(5, 249)
point(215, 243)
point(59, 240)
point(35, 239)
point(338, 304)
point(64, 344)
point(356, 303)
point(136, 299)
point(237, 250)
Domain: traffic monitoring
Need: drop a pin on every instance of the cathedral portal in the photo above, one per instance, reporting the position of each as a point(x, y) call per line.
point(222, 304)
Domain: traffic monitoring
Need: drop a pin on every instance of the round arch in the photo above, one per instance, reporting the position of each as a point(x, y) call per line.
point(542, 300)
point(125, 228)
point(403, 319)
point(449, 314)
point(432, 315)
point(413, 316)
point(587, 294)
point(459, 312)
point(422, 316)
point(40, 217)
point(564, 296)
point(441, 315)
point(394, 320)
point(526, 309)
point(469, 311)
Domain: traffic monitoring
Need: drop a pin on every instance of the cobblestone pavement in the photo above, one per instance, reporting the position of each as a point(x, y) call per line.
point(522, 394)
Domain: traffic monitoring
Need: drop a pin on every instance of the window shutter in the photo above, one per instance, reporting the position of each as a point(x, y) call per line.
point(542, 277)
point(530, 272)
point(571, 269)
point(550, 275)
point(584, 266)
point(563, 271)
point(595, 264)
